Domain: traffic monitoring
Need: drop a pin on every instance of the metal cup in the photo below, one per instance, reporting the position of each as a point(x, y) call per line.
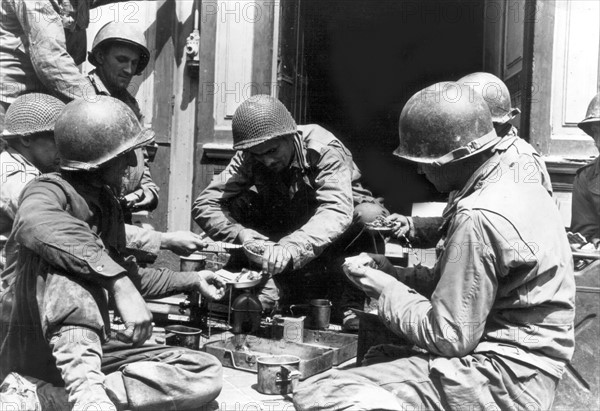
point(320, 313)
point(182, 336)
point(278, 374)
point(193, 262)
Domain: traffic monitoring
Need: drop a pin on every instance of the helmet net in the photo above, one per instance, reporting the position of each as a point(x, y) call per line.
point(258, 119)
point(31, 114)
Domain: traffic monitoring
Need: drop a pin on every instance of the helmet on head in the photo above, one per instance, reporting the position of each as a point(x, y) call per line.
point(445, 122)
point(31, 114)
point(258, 119)
point(126, 33)
point(90, 133)
point(495, 93)
point(592, 116)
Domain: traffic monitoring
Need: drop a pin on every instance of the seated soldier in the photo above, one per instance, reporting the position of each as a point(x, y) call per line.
point(55, 352)
point(31, 151)
point(585, 213)
point(426, 232)
point(294, 185)
point(492, 321)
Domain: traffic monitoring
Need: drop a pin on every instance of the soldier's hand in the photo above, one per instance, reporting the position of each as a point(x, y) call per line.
point(132, 198)
point(401, 225)
point(147, 201)
point(182, 242)
point(248, 234)
point(276, 258)
point(133, 310)
point(210, 285)
point(377, 261)
point(368, 279)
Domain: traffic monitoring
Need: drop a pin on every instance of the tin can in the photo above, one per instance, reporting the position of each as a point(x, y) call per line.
point(193, 262)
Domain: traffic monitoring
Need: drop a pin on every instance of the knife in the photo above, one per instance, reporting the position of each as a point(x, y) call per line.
point(219, 246)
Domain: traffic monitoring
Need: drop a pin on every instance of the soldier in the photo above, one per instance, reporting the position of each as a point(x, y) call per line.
point(55, 353)
point(492, 321)
point(426, 232)
point(30, 151)
point(41, 44)
point(119, 52)
point(585, 215)
point(307, 198)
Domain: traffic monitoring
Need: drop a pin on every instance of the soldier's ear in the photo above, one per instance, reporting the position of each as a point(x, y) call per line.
point(25, 141)
point(99, 55)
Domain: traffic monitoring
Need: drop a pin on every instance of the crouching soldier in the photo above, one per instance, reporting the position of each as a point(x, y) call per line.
point(55, 352)
point(294, 185)
point(492, 321)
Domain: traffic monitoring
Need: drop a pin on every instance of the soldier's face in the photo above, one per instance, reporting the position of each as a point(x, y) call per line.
point(595, 128)
point(448, 177)
point(439, 177)
point(44, 152)
point(117, 65)
point(275, 154)
point(113, 171)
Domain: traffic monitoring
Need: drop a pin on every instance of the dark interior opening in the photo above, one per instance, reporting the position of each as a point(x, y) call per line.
point(363, 60)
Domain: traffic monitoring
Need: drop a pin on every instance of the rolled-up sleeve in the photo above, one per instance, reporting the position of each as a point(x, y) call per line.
point(140, 241)
point(46, 46)
point(43, 225)
point(333, 188)
point(451, 323)
point(210, 209)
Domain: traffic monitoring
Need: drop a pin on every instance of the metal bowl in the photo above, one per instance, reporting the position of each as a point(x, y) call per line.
point(255, 258)
point(230, 279)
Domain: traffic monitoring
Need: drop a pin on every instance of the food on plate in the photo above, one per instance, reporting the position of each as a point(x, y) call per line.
point(256, 247)
point(381, 222)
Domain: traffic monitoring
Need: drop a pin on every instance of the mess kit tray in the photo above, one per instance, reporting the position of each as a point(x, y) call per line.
point(241, 352)
point(343, 345)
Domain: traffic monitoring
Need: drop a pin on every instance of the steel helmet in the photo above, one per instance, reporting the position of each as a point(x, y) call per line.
point(126, 33)
point(90, 133)
point(495, 93)
point(445, 122)
point(258, 119)
point(31, 114)
point(592, 116)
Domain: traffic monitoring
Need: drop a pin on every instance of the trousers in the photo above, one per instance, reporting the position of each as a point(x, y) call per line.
point(56, 336)
point(396, 378)
point(151, 377)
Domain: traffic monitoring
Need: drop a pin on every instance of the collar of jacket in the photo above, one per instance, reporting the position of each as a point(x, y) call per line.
point(98, 83)
point(300, 158)
point(474, 182)
point(478, 177)
point(101, 88)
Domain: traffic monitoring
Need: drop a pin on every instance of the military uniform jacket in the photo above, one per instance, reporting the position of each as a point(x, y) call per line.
point(504, 282)
point(72, 229)
point(317, 202)
point(41, 44)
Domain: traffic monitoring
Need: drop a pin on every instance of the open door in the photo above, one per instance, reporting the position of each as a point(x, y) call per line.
point(291, 71)
point(504, 50)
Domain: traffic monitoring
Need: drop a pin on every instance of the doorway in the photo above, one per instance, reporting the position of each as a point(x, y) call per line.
point(355, 64)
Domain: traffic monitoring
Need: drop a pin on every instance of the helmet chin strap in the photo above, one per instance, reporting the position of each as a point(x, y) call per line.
point(480, 144)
